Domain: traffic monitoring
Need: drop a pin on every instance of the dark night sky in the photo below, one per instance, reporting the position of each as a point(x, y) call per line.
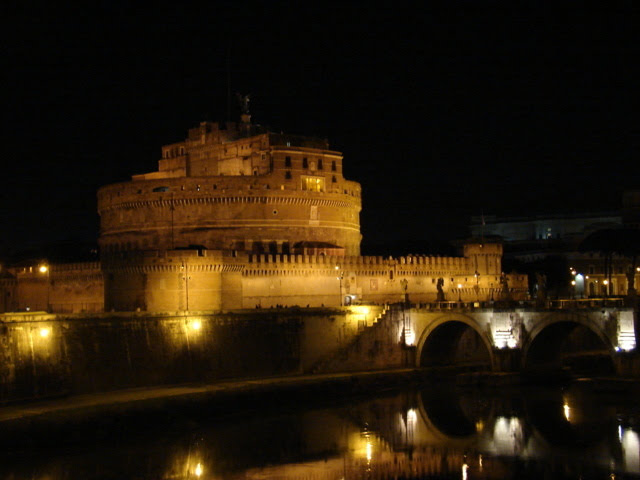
point(442, 112)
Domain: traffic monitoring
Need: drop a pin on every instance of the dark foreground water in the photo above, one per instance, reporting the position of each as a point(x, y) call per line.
point(438, 432)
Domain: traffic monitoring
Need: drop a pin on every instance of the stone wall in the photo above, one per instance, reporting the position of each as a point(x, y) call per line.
point(210, 280)
point(61, 288)
point(51, 355)
point(259, 213)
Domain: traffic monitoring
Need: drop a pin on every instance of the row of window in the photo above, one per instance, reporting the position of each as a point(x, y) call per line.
point(287, 176)
point(311, 164)
point(174, 152)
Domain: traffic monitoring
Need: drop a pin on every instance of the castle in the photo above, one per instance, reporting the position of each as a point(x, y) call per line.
point(240, 217)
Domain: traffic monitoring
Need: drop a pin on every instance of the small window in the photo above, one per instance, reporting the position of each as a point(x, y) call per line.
point(333, 166)
point(287, 162)
point(161, 189)
point(333, 179)
point(215, 187)
point(287, 175)
point(319, 164)
point(305, 163)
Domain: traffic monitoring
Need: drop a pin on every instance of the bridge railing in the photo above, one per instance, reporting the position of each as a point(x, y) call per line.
point(572, 303)
point(555, 304)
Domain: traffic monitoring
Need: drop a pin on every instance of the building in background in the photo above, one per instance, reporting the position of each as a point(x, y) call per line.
point(552, 245)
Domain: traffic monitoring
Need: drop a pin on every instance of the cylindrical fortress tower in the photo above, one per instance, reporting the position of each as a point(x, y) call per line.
point(233, 187)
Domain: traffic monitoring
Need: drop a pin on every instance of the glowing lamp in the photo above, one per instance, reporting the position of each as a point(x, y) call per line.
point(43, 269)
point(44, 332)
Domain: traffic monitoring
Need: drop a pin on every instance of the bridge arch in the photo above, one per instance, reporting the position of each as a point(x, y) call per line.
point(441, 341)
point(549, 343)
point(449, 419)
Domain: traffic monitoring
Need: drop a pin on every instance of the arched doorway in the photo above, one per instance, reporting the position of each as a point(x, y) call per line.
point(572, 346)
point(455, 343)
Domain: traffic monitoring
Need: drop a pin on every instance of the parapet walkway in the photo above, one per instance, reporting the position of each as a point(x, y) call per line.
point(91, 405)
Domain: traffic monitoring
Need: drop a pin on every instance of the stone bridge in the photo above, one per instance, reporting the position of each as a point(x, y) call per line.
point(511, 339)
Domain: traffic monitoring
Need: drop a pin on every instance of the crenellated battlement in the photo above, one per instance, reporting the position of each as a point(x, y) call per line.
point(163, 279)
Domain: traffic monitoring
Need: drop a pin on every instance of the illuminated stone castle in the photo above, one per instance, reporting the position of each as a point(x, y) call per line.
point(239, 217)
point(233, 187)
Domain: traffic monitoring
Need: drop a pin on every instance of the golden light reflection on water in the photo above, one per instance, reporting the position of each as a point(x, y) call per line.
point(386, 438)
point(630, 442)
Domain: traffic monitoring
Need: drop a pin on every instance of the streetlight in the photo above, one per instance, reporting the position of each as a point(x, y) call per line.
point(340, 277)
point(44, 270)
point(477, 285)
point(185, 269)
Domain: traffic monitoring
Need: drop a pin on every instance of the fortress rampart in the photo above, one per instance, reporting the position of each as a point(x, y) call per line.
point(205, 280)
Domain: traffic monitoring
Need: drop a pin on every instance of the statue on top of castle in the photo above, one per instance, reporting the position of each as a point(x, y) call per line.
point(243, 101)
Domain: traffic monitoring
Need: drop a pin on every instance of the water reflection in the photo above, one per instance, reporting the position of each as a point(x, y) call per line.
point(438, 431)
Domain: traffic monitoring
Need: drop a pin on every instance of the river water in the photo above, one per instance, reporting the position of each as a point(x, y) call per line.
point(438, 431)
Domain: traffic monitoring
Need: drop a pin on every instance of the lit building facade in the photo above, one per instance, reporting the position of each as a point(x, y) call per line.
point(238, 217)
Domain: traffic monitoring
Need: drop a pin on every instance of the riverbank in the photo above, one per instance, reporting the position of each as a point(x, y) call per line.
point(115, 413)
